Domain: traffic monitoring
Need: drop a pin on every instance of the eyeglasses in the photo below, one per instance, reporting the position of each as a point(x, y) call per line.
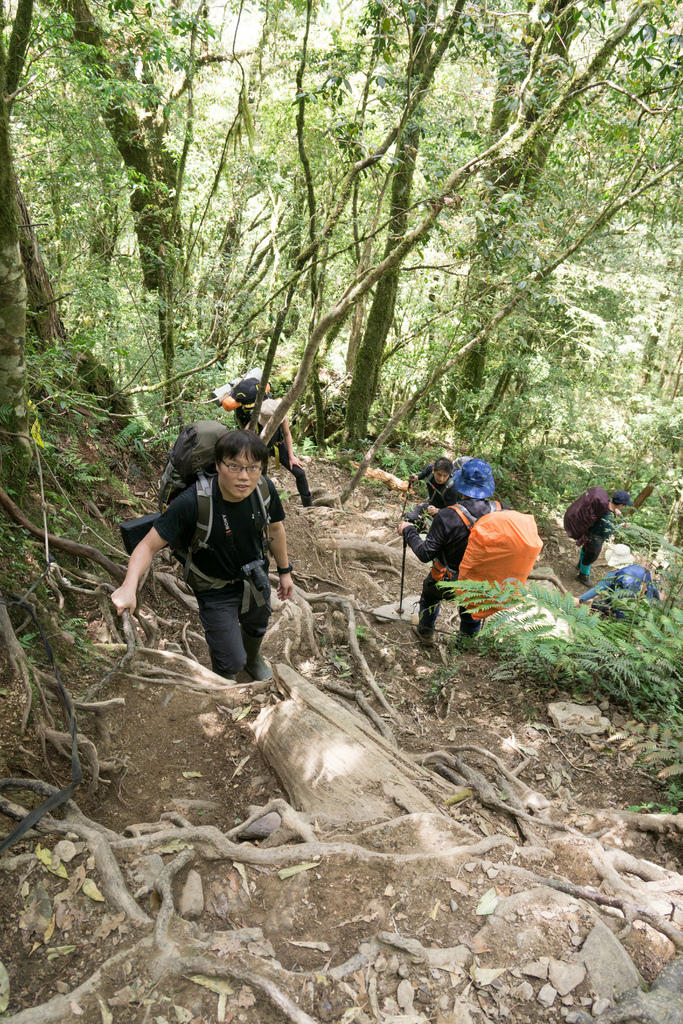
point(235, 470)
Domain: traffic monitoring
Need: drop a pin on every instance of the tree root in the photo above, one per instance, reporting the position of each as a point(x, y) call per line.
point(661, 824)
point(485, 793)
point(122, 662)
point(169, 584)
point(663, 1004)
point(80, 550)
point(17, 660)
point(549, 575)
point(357, 695)
point(162, 884)
point(631, 911)
point(291, 820)
point(185, 965)
point(357, 654)
point(58, 1008)
point(216, 846)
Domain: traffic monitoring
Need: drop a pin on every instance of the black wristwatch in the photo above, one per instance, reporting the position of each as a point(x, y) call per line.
point(283, 572)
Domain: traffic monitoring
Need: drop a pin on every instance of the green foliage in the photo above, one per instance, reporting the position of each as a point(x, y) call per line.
point(637, 660)
point(72, 466)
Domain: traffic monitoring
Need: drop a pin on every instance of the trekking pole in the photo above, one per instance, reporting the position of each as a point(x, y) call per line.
point(403, 576)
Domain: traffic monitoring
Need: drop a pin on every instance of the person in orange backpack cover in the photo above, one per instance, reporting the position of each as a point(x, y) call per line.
point(446, 542)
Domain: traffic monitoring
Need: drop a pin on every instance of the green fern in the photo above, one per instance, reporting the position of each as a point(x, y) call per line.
point(637, 659)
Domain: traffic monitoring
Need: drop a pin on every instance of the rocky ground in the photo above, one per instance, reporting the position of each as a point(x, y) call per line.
point(522, 894)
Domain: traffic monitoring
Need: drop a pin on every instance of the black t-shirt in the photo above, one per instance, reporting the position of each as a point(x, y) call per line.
point(177, 526)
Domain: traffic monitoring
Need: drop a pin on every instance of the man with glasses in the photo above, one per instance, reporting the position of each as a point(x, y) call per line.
point(235, 605)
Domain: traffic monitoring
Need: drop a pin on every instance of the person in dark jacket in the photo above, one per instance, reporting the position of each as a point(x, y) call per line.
point(438, 477)
point(446, 543)
point(601, 530)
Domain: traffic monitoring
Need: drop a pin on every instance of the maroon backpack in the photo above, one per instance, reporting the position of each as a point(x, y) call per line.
point(586, 511)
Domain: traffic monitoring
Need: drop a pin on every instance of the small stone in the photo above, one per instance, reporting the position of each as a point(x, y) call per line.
point(148, 869)
point(173, 647)
point(453, 906)
point(62, 987)
point(567, 1000)
point(574, 1017)
point(524, 991)
point(546, 996)
point(403, 971)
point(192, 897)
point(470, 866)
point(65, 850)
point(492, 872)
point(565, 977)
point(443, 1002)
point(405, 994)
point(604, 705)
point(601, 1006)
point(381, 964)
point(535, 970)
point(393, 964)
point(576, 940)
point(486, 864)
point(516, 973)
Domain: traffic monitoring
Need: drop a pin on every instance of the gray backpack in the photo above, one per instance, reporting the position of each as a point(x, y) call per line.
point(191, 462)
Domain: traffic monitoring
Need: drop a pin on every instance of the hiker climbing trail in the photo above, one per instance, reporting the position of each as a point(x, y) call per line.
point(377, 807)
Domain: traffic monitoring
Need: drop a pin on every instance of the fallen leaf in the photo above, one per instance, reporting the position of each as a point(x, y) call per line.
point(224, 946)
point(390, 891)
point(246, 997)
point(217, 985)
point(485, 975)
point(459, 886)
point(321, 946)
point(47, 858)
point(243, 875)
point(75, 1008)
point(240, 766)
point(175, 846)
point(75, 883)
point(488, 903)
point(38, 914)
point(47, 934)
point(296, 869)
point(243, 714)
point(182, 1015)
point(91, 890)
point(59, 951)
point(484, 824)
point(435, 910)
point(192, 775)
point(263, 948)
point(457, 796)
point(108, 926)
point(4, 988)
point(105, 1013)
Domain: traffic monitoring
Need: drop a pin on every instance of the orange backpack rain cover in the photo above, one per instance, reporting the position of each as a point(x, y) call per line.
point(502, 545)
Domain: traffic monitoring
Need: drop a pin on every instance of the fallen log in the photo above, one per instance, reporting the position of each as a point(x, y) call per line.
point(331, 761)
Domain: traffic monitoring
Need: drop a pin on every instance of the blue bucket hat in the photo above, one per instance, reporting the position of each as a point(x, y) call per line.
point(475, 479)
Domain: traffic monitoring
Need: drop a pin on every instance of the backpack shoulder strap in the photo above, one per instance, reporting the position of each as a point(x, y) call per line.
point(202, 531)
point(495, 506)
point(260, 498)
point(468, 519)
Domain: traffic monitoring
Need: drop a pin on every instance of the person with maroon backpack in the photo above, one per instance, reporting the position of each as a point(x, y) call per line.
point(590, 522)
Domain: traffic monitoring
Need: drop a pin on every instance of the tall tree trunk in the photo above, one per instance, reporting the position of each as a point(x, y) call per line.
point(13, 401)
point(43, 309)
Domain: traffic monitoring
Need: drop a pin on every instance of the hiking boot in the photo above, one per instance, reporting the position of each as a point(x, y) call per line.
point(256, 665)
point(426, 636)
point(583, 578)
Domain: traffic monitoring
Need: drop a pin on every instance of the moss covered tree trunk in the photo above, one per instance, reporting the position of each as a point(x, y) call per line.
point(13, 401)
point(368, 360)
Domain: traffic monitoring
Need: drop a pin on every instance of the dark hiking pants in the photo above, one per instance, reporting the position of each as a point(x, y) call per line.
point(590, 552)
point(296, 471)
point(222, 617)
point(430, 606)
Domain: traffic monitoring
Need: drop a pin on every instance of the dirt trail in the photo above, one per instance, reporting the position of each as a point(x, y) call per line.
point(379, 935)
